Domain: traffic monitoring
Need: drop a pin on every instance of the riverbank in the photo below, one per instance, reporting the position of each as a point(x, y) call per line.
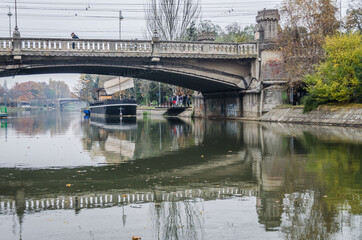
point(338, 115)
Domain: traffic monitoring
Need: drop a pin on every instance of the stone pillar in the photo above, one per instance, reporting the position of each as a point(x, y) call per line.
point(16, 45)
point(267, 27)
point(269, 64)
point(206, 37)
point(198, 105)
point(155, 47)
point(223, 105)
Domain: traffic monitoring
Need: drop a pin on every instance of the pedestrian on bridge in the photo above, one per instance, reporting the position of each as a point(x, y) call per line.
point(74, 36)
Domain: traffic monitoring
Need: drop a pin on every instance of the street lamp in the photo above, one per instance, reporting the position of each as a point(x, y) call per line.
point(9, 14)
point(120, 19)
point(159, 94)
point(16, 17)
point(16, 33)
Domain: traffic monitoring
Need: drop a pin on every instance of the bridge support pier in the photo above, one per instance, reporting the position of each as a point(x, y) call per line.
point(246, 104)
point(219, 105)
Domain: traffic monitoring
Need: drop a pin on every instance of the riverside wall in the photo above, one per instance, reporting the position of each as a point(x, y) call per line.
point(323, 115)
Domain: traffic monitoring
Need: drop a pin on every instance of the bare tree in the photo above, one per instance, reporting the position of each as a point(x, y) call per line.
point(354, 16)
point(171, 18)
point(305, 24)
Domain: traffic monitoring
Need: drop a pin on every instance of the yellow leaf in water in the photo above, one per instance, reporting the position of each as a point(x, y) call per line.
point(68, 185)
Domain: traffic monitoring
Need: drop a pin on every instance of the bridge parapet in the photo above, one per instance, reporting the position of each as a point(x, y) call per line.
point(6, 44)
point(244, 49)
point(48, 47)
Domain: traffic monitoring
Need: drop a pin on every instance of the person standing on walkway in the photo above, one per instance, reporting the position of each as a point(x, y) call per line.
point(177, 100)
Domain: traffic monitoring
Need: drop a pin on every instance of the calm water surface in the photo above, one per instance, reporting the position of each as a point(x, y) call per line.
point(66, 177)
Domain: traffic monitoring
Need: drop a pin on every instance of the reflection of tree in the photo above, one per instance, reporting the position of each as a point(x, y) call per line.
point(307, 182)
point(178, 219)
point(341, 186)
point(307, 217)
point(40, 123)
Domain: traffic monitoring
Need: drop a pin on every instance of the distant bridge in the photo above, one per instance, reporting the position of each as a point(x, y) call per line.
point(62, 101)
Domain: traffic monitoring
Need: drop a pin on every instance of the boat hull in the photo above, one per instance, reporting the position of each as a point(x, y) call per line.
point(113, 109)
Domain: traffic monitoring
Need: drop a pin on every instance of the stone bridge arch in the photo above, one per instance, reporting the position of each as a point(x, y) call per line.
point(205, 67)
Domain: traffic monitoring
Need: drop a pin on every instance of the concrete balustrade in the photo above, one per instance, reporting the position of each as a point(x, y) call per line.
point(5, 44)
point(32, 46)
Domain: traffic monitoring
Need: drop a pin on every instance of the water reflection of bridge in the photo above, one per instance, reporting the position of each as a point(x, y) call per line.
point(244, 159)
point(9, 205)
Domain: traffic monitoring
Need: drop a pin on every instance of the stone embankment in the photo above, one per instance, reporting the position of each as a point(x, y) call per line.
point(323, 115)
point(160, 112)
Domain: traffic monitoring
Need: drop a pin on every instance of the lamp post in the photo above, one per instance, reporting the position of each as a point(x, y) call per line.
point(159, 94)
point(120, 20)
point(16, 33)
point(16, 17)
point(9, 14)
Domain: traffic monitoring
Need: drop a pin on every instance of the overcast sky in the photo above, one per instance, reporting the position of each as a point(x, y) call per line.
point(100, 19)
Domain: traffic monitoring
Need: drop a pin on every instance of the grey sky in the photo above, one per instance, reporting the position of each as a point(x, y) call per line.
point(100, 19)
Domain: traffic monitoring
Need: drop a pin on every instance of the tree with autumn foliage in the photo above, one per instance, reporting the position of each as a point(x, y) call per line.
point(305, 25)
point(339, 77)
point(85, 87)
point(30, 90)
point(27, 91)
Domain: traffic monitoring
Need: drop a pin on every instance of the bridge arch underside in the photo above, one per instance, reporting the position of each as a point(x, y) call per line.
point(204, 75)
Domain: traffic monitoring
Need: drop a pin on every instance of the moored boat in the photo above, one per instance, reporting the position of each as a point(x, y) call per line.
point(113, 108)
point(108, 107)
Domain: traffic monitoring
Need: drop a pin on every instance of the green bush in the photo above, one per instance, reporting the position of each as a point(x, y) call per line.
point(338, 78)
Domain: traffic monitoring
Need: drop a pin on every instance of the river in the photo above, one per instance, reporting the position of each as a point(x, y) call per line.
point(66, 177)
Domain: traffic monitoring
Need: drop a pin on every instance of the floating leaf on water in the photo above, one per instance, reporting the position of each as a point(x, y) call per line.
point(136, 238)
point(68, 185)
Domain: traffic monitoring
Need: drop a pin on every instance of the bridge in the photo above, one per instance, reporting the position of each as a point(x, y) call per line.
point(195, 65)
point(214, 69)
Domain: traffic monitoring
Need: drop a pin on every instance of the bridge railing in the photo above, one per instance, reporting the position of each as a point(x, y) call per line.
point(6, 44)
point(168, 48)
point(85, 45)
point(209, 48)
